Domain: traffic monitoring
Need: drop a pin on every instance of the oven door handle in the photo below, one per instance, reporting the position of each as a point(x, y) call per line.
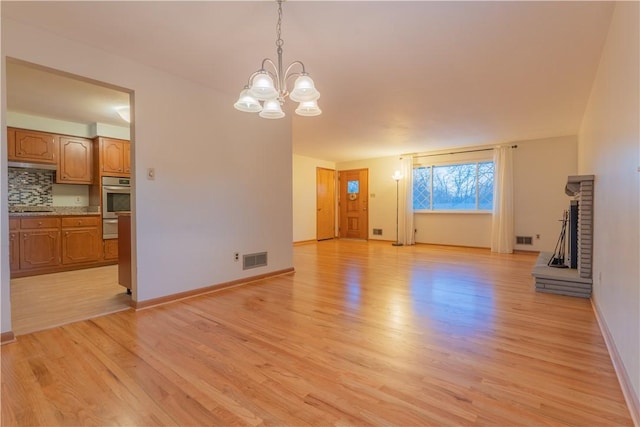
point(116, 189)
point(110, 221)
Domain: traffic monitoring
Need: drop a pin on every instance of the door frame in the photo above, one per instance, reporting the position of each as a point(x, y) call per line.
point(364, 200)
point(330, 197)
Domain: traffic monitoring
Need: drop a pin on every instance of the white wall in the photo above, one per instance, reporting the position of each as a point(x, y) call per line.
point(541, 168)
point(5, 290)
point(304, 196)
point(609, 148)
point(223, 178)
point(459, 229)
point(540, 171)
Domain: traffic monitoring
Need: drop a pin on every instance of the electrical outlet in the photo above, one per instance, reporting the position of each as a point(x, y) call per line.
point(236, 256)
point(78, 201)
point(537, 236)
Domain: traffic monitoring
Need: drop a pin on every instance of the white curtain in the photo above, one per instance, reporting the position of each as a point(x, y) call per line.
point(502, 221)
point(406, 234)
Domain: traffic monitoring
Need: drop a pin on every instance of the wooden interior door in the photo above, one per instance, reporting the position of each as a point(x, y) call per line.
point(325, 203)
point(354, 203)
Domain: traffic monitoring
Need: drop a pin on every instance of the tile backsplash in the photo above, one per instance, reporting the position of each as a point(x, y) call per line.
point(30, 187)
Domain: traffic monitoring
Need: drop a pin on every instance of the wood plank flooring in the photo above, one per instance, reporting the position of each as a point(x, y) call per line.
point(48, 300)
point(361, 334)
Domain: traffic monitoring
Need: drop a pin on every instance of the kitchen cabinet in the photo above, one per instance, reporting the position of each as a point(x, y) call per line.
point(76, 161)
point(114, 157)
point(47, 244)
point(127, 158)
point(32, 146)
point(111, 249)
point(14, 244)
point(11, 144)
point(81, 240)
point(39, 243)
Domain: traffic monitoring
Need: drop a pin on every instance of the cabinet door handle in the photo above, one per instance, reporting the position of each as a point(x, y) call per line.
point(39, 222)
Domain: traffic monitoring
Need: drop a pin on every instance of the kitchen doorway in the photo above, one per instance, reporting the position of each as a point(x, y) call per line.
point(57, 103)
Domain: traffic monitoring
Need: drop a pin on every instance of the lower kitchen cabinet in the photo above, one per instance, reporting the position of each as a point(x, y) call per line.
point(39, 243)
point(111, 249)
point(39, 249)
point(14, 244)
point(49, 244)
point(81, 240)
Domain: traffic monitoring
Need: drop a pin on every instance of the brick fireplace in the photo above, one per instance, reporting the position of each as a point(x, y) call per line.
point(572, 281)
point(580, 187)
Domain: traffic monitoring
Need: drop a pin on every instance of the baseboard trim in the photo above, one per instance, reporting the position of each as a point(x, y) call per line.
point(304, 242)
point(141, 305)
point(633, 402)
point(453, 246)
point(7, 337)
point(526, 251)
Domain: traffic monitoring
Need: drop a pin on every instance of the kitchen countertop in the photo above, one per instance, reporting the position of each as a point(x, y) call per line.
point(53, 211)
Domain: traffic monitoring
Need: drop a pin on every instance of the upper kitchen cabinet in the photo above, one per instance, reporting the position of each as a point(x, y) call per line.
point(76, 161)
point(127, 158)
point(32, 146)
point(114, 157)
point(11, 144)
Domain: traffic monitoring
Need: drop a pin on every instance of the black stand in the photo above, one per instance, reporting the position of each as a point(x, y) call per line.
point(557, 259)
point(397, 242)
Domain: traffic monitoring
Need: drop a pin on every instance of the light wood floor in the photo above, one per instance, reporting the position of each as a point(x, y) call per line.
point(361, 334)
point(48, 300)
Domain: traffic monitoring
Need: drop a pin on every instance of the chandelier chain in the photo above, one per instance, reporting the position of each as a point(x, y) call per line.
point(279, 41)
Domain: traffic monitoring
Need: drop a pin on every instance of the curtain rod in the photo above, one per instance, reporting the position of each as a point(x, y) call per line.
point(454, 152)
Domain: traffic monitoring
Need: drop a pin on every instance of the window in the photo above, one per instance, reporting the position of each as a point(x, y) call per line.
point(456, 187)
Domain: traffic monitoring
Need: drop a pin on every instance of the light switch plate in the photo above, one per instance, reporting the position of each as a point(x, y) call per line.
point(151, 174)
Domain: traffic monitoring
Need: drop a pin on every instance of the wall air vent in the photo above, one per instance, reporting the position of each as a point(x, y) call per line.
point(254, 260)
point(524, 240)
point(377, 231)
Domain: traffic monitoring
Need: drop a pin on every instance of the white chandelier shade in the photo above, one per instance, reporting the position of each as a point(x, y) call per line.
point(247, 102)
point(304, 90)
point(266, 90)
point(308, 109)
point(262, 87)
point(271, 110)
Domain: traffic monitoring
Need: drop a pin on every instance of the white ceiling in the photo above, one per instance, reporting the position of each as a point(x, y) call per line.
point(395, 77)
point(40, 92)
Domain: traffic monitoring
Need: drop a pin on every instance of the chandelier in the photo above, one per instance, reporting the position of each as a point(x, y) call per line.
point(270, 86)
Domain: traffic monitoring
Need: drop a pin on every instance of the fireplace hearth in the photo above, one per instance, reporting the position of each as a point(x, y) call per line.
point(576, 279)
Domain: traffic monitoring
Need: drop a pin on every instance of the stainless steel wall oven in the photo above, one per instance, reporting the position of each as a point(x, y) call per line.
point(116, 197)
